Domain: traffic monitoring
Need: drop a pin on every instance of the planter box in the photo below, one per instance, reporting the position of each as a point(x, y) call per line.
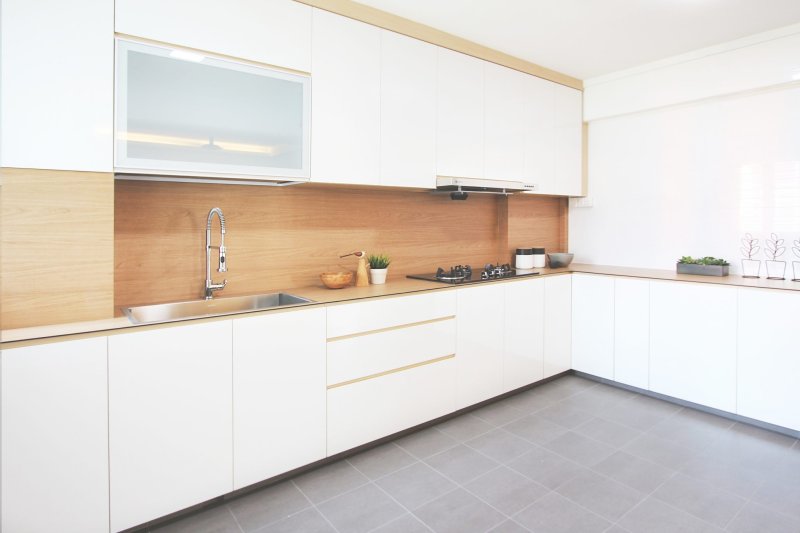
point(703, 270)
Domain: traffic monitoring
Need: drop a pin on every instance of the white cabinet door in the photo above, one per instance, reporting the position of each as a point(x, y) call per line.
point(523, 355)
point(278, 393)
point(593, 324)
point(693, 342)
point(539, 149)
point(346, 78)
point(57, 71)
point(275, 32)
point(632, 332)
point(55, 437)
point(506, 122)
point(569, 141)
point(460, 117)
point(479, 343)
point(557, 324)
point(408, 112)
point(769, 365)
point(170, 420)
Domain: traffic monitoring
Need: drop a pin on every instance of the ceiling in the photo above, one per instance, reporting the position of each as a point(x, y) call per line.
point(588, 38)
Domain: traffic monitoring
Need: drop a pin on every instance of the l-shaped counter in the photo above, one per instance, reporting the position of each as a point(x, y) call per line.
point(112, 425)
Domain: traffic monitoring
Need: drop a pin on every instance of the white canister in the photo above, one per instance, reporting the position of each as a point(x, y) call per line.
point(539, 257)
point(524, 259)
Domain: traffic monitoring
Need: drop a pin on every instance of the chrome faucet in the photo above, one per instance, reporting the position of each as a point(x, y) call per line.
point(223, 265)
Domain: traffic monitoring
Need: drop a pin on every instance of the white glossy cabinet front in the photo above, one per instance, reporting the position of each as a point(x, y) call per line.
point(55, 437)
point(693, 342)
point(57, 72)
point(506, 100)
point(557, 324)
point(274, 32)
point(769, 362)
point(278, 393)
point(569, 142)
point(523, 349)
point(346, 100)
point(632, 332)
point(170, 420)
point(593, 324)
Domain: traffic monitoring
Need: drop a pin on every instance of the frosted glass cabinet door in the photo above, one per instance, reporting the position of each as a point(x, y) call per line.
point(180, 112)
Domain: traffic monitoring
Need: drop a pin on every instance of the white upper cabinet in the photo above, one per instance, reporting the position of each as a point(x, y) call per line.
point(568, 142)
point(539, 139)
point(179, 112)
point(346, 127)
point(460, 115)
point(57, 75)
point(593, 324)
point(506, 122)
point(408, 112)
point(274, 32)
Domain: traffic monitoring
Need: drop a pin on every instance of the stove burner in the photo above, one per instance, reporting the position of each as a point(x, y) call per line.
point(491, 271)
point(463, 274)
point(457, 273)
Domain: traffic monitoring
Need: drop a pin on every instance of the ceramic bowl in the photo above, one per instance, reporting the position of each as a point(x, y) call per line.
point(560, 260)
point(336, 280)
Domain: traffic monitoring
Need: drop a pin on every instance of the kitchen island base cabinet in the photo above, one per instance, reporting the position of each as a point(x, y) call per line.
point(769, 362)
point(523, 350)
point(170, 420)
point(278, 393)
point(55, 437)
point(557, 325)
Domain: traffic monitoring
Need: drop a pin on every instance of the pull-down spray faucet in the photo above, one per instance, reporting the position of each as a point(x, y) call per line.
point(223, 265)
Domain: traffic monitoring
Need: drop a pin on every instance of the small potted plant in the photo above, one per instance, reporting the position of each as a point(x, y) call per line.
point(775, 269)
point(751, 268)
point(705, 266)
point(378, 267)
point(796, 264)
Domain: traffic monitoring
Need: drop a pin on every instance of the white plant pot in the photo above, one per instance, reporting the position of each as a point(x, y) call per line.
point(776, 269)
point(751, 268)
point(377, 276)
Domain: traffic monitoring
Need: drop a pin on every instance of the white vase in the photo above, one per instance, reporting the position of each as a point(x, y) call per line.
point(776, 269)
point(751, 268)
point(377, 276)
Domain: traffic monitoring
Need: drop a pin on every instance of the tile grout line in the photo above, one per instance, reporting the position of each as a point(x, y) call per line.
point(235, 520)
point(314, 506)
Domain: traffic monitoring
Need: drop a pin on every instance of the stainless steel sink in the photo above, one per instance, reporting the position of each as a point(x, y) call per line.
point(152, 314)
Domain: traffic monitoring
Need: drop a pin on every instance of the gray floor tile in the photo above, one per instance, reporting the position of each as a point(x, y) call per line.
point(459, 512)
point(691, 428)
point(426, 442)
point(500, 445)
point(599, 400)
point(329, 481)
point(780, 496)
point(608, 432)
point(415, 485)
point(755, 518)
point(641, 412)
point(701, 499)
point(408, 523)
point(763, 435)
point(664, 452)
point(361, 510)
point(499, 413)
point(655, 516)
point(567, 386)
point(616, 528)
point(506, 490)
point(461, 464)
point(545, 467)
point(464, 427)
point(555, 514)
point(601, 495)
point(308, 521)
point(565, 415)
point(635, 472)
point(214, 520)
point(580, 449)
point(730, 476)
point(509, 526)
point(268, 505)
point(531, 401)
point(535, 429)
point(382, 460)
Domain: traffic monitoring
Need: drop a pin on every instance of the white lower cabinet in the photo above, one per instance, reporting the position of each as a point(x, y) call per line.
point(278, 393)
point(632, 332)
point(769, 363)
point(557, 324)
point(693, 342)
point(170, 420)
point(479, 345)
point(523, 353)
point(55, 438)
point(593, 324)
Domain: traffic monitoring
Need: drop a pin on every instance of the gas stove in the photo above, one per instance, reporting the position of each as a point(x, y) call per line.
point(464, 274)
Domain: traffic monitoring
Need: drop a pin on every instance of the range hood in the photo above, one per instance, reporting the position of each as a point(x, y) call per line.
point(460, 187)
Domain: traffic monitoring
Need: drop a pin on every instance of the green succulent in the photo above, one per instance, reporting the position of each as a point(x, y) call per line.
point(689, 260)
point(378, 261)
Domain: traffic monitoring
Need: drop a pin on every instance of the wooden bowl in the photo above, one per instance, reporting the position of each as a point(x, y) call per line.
point(336, 280)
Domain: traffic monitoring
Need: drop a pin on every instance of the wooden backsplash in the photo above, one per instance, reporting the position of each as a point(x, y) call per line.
point(279, 238)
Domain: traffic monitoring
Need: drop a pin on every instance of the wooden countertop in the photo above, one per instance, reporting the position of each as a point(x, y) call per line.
point(322, 296)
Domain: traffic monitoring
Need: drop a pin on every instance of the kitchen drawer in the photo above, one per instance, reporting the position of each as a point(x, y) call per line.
point(371, 315)
point(368, 410)
point(365, 355)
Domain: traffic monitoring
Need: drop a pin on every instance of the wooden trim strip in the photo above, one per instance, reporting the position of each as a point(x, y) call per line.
point(395, 23)
point(390, 328)
point(393, 371)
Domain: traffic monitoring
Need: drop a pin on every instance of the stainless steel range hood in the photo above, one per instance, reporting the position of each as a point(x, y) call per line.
point(460, 187)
